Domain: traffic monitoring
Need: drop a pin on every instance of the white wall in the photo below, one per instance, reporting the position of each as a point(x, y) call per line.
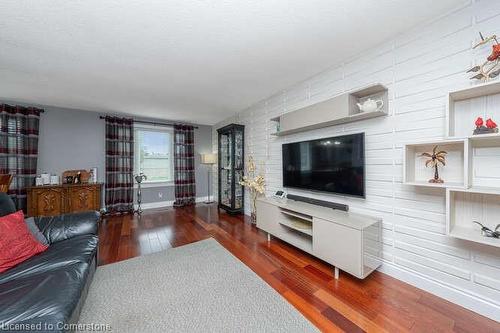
point(419, 68)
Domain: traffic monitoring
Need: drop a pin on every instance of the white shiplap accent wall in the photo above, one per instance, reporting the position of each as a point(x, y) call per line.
point(419, 68)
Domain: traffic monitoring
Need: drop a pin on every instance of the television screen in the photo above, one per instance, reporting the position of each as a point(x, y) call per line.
point(334, 165)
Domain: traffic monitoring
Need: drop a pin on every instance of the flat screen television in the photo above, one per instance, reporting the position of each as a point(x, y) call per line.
point(335, 165)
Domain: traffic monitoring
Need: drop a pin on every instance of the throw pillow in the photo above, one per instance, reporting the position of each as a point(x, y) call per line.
point(33, 228)
point(16, 242)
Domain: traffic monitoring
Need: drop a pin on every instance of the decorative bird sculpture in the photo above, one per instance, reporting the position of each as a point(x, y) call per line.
point(487, 232)
point(491, 67)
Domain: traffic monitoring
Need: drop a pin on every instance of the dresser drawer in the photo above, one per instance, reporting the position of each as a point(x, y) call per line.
point(83, 198)
point(46, 202)
point(61, 199)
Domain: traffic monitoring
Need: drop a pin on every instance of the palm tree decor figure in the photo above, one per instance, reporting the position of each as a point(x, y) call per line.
point(433, 160)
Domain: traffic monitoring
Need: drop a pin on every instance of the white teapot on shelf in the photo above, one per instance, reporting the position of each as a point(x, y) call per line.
point(371, 105)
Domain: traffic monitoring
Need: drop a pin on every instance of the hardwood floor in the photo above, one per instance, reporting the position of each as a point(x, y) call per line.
point(377, 304)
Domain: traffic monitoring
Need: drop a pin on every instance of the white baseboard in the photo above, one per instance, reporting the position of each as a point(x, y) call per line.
point(201, 199)
point(449, 293)
point(161, 204)
point(152, 205)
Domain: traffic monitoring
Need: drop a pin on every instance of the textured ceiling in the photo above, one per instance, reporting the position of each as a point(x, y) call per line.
point(190, 60)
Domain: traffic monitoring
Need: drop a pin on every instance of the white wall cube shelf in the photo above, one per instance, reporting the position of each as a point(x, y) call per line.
point(465, 105)
point(475, 204)
point(455, 173)
point(472, 161)
point(485, 160)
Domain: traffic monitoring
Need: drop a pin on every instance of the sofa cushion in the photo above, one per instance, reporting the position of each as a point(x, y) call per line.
point(80, 249)
point(16, 242)
point(43, 299)
point(66, 226)
point(33, 228)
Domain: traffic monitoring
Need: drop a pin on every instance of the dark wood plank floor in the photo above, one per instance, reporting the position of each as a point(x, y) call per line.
point(378, 303)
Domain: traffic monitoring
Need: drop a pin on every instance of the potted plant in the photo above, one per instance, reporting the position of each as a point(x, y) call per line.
point(255, 184)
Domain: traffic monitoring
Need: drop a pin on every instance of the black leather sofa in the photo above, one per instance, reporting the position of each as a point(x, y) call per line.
point(46, 292)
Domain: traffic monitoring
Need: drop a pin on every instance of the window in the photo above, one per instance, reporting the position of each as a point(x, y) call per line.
point(154, 153)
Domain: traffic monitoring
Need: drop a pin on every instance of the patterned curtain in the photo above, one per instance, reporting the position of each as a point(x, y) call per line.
point(185, 188)
point(119, 165)
point(19, 148)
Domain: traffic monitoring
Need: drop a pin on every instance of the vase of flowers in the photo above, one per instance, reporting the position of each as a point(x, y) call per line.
point(255, 184)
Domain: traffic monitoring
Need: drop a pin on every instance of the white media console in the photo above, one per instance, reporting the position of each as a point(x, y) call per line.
point(350, 242)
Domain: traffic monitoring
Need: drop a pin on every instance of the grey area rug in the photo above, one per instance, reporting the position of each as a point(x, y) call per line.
point(200, 287)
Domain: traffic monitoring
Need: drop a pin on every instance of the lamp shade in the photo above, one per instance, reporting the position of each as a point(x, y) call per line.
point(208, 158)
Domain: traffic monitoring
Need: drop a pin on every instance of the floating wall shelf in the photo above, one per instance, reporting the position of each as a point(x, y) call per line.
point(337, 110)
point(455, 173)
point(485, 161)
point(472, 172)
point(474, 204)
point(465, 105)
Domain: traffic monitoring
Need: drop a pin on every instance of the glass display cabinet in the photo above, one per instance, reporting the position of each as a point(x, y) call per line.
point(231, 167)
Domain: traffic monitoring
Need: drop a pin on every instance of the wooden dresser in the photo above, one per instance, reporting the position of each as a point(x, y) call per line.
point(50, 200)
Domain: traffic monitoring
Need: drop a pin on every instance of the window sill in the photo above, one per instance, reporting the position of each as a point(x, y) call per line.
point(154, 184)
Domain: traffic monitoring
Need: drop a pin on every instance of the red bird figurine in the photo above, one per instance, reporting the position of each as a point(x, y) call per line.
point(495, 53)
point(491, 124)
point(479, 122)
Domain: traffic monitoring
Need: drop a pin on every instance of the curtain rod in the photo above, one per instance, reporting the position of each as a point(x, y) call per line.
point(27, 107)
point(151, 122)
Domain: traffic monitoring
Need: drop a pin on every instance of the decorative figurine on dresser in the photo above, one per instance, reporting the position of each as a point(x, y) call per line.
point(77, 193)
point(231, 167)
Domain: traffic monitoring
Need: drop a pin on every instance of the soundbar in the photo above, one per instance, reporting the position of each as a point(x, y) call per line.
point(332, 205)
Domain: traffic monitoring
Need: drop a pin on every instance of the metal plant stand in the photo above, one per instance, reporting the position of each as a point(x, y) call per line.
point(139, 179)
